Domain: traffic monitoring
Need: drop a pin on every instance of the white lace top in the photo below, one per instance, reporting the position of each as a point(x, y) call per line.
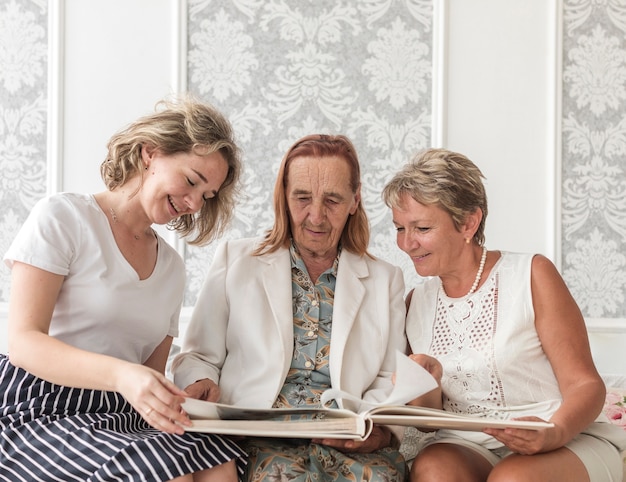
point(493, 361)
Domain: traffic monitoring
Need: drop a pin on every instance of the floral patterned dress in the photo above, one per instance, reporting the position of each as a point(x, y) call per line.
point(299, 460)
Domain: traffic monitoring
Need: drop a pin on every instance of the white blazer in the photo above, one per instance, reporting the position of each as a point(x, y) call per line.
point(241, 331)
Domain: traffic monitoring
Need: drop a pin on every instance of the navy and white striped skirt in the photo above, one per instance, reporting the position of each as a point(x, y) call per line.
point(50, 432)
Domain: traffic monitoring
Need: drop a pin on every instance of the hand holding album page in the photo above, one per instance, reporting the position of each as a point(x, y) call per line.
point(412, 381)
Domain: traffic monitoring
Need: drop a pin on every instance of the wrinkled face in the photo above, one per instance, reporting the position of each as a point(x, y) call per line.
point(180, 183)
point(428, 235)
point(319, 199)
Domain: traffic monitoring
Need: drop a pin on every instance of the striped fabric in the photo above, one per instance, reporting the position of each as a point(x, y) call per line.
point(55, 433)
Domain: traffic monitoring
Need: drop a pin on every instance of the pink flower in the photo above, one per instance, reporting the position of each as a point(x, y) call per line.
point(615, 408)
point(613, 398)
point(616, 414)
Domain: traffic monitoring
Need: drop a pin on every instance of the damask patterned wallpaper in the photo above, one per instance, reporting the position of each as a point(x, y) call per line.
point(23, 110)
point(283, 69)
point(594, 155)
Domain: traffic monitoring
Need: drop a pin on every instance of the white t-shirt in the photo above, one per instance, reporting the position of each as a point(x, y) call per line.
point(103, 306)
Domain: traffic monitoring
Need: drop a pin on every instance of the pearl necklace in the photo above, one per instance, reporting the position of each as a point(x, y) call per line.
point(479, 274)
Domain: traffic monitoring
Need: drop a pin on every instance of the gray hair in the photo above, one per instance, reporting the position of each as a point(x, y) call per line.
point(443, 178)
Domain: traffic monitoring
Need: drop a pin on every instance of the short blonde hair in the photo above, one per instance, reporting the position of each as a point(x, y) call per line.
point(444, 178)
point(180, 125)
point(356, 232)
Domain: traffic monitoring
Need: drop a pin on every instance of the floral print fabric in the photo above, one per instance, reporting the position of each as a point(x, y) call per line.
point(298, 460)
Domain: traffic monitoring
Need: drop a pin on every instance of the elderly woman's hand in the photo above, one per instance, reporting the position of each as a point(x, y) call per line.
point(380, 438)
point(204, 389)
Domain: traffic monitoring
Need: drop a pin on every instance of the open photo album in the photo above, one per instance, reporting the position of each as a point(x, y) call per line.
point(411, 381)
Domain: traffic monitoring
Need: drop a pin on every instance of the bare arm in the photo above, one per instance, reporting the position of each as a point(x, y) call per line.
point(34, 293)
point(158, 359)
point(561, 329)
point(563, 334)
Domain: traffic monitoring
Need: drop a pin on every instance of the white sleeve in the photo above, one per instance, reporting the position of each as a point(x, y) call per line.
point(48, 237)
point(204, 343)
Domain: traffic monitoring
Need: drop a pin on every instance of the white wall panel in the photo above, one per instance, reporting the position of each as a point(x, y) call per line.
point(498, 97)
point(500, 113)
point(118, 62)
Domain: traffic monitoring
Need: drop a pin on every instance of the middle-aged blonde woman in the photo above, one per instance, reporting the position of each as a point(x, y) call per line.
point(282, 318)
point(501, 333)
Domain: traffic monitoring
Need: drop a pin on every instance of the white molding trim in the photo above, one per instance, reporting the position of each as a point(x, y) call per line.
point(554, 141)
point(439, 135)
point(56, 63)
point(606, 325)
point(179, 79)
point(558, 132)
point(178, 85)
point(179, 41)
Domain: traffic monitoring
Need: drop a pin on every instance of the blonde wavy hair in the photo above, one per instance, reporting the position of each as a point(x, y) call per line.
point(180, 125)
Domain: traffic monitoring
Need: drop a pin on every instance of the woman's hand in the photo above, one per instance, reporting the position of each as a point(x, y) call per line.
point(529, 442)
point(205, 389)
point(380, 438)
point(430, 364)
point(432, 399)
point(156, 398)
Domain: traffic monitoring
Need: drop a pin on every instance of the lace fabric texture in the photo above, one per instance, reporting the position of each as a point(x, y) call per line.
point(493, 361)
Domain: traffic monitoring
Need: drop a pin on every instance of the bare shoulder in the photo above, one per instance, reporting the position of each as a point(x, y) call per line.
point(543, 264)
point(549, 290)
point(544, 271)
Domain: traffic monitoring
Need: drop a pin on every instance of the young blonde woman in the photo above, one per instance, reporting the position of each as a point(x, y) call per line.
point(94, 305)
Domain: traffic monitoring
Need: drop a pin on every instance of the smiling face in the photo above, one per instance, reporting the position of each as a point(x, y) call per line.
point(319, 200)
point(180, 183)
point(428, 235)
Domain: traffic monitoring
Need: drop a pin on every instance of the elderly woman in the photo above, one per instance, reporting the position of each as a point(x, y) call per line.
point(503, 335)
point(281, 319)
